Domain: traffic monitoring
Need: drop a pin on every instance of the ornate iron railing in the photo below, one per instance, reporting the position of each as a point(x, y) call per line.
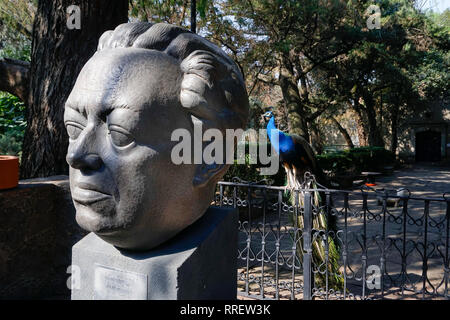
point(390, 245)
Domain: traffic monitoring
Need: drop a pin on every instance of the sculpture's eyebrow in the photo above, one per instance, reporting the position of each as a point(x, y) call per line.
point(81, 111)
point(104, 110)
point(107, 109)
point(118, 106)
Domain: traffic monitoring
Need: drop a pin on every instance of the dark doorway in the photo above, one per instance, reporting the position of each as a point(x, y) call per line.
point(428, 146)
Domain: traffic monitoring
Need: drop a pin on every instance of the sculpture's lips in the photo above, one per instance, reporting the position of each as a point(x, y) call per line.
point(87, 194)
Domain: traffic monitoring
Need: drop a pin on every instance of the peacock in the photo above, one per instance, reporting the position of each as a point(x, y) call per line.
point(303, 171)
point(296, 155)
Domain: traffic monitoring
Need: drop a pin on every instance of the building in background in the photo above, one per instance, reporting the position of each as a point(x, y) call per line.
point(425, 135)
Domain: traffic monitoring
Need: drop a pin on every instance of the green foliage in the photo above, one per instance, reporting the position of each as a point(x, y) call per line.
point(12, 114)
point(250, 171)
point(202, 6)
point(370, 158)
point(335, 162)
point(10, 144)
point(16, 19)
point(19, 51)
point(174, 11)
point(12, 124)
point(356, 160)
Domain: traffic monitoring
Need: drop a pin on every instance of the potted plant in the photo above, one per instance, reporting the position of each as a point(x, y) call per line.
point(9, 172)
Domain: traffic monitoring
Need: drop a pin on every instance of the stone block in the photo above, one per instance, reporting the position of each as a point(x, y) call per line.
point(37, 232)
point(199, 263)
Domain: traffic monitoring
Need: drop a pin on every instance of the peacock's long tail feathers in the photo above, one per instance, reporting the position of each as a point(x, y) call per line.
point(321, 222)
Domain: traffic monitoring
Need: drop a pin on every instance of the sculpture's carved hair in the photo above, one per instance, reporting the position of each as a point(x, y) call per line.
point(212, 88)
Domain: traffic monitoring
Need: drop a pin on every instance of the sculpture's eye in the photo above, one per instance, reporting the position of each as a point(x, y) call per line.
point(73, 130)
point(119, 136)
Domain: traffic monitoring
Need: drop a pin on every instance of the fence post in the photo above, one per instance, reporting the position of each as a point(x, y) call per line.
point(307, 254)
point(447, 258)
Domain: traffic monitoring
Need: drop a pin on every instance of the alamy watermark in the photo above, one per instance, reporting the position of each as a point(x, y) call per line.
point(212, 147)
point(374, 19)
point(73, 282)
point(74, 17)
point(372, 22)
point(373, 280)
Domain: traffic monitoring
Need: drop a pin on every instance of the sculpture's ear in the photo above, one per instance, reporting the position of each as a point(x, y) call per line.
point(205, 100)
point(206, 173)
point(201, 91)
point(207, 170)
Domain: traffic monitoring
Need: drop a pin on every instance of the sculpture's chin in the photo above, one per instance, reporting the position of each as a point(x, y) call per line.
point(130, 243)
point(91, 220)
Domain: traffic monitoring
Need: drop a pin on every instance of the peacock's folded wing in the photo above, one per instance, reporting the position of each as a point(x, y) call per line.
point(305, 157)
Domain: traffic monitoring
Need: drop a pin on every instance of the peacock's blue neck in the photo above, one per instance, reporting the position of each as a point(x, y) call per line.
point(284, 142)
point(271, 126)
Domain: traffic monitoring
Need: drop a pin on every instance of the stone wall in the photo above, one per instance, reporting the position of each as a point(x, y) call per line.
point(37, 232)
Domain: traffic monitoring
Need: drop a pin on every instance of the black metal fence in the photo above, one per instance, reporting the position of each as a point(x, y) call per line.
point(389, 246)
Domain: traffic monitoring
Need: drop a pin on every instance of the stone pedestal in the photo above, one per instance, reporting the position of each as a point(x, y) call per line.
point(199, 263)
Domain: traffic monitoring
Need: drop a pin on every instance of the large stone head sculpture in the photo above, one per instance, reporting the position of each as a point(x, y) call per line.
point(144, 82)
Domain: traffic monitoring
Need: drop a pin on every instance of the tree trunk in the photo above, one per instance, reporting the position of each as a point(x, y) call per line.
point(394, 128)
point(57, 56)
point(291, 96)
point(375, 136)
point(316, 138)
point(360, 124)
point(344, 133)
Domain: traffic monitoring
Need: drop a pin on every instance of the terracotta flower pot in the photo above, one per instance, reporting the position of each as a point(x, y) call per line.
point(9, 172)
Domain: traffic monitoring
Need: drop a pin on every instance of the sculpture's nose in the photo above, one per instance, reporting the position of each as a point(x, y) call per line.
point(84, 161)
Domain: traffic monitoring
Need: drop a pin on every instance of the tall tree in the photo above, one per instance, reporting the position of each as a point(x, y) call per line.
point(57, 56)
point(396, 69)
point(281, 43)
point(343, 131)
point(173, 11)
point(16, 22)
